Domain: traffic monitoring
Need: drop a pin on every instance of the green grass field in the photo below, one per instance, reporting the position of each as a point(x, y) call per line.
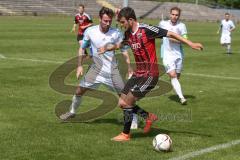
point(34, 47)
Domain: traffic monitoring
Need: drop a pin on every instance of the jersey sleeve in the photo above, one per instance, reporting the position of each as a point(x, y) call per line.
point(86, 40)
point(161, 24)
point(155, 32)
point(221, 24)
point(119, 39)
point(76, 20)
point(183, 30)
point(89, 18)
point(232, 24)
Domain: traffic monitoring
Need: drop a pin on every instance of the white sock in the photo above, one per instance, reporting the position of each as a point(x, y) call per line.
point(76, 101)
point(177, 87)
point(228, 48)
point(135, 118)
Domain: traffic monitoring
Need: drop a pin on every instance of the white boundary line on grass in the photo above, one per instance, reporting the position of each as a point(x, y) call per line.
point(2, 56)
point(60, 62)
point(211, 76)
point(207, 150)
point(32, 60)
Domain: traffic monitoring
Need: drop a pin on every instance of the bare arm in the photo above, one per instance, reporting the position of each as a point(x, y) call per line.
point(232, 29)
point(74, 27)
point(219, 29)
point(81, 56)
point(174, 40)
point(197, 46)
point(128, 62)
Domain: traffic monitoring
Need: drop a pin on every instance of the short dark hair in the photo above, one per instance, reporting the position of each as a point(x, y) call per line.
point(128, 13)
point(107, 11)
point(81, 5)
point(227, 13)
point(176, 9)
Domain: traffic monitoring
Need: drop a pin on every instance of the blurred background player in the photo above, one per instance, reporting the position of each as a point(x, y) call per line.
point(82, 20)
point(104, 69)
point(226, 26)
point(172, 51)
point(141, 39)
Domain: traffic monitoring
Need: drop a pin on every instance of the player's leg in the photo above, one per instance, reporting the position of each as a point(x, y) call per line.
point(88, 82)
point(127, 100)
point(228, 39)
point(226, 42)
point(117, 85)
point(229, 51)
point(170, 67)
point(76, 101)
point(179, 66)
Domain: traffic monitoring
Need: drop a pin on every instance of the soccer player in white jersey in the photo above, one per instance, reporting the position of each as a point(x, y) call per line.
point(104, 69)
point(172, 52)
point(226, 26)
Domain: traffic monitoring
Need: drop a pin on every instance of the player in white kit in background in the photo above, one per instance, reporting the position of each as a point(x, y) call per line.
point(172, 51)
point(226, 28)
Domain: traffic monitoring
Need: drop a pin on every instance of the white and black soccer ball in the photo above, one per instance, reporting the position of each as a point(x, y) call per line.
point(162, 142)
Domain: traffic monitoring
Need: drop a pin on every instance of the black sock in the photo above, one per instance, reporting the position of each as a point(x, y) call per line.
point(128, 117)
point(86, 53)
point(140, 111)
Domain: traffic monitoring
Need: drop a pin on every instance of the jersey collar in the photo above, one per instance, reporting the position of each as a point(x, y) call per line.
point(133, 33)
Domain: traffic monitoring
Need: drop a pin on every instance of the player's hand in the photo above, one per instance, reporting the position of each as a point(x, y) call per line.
point(117, 10)
point(79, 72)
point(73, 30)
point(197, 46)
point(101, 50)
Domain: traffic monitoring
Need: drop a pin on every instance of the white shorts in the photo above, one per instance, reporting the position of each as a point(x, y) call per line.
point(93, 79)
point(173, 64)
point(225, 39)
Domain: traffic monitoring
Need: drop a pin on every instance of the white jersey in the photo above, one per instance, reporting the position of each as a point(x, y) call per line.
point(171, 50)
point(226, 26)
point(104, 63)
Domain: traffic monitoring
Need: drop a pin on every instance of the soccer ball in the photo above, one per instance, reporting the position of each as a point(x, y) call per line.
point(162, 142)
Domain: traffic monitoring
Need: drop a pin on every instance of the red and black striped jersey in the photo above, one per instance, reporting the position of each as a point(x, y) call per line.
point(142, 43)
point(82, 20)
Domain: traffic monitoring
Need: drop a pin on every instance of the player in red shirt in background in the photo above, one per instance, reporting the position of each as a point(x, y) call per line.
point(141, 39)
point(83, 21)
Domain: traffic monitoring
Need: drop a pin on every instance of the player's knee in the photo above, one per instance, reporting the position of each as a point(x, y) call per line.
point(172, 74)
point(78, 91)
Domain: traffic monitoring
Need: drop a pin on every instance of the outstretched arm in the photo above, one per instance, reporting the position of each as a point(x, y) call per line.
point(197, 46)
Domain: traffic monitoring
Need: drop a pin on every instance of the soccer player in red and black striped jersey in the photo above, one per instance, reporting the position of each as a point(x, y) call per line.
point(83, 21)
point(141, 39)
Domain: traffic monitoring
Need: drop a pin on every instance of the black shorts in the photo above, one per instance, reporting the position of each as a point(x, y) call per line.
point(79, 37)
point(140, 86)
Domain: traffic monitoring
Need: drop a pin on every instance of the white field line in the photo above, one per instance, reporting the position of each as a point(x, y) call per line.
point(207, 150)
point(60, 62)
point(212, 76)
point(2, 56)
point(32, 60)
